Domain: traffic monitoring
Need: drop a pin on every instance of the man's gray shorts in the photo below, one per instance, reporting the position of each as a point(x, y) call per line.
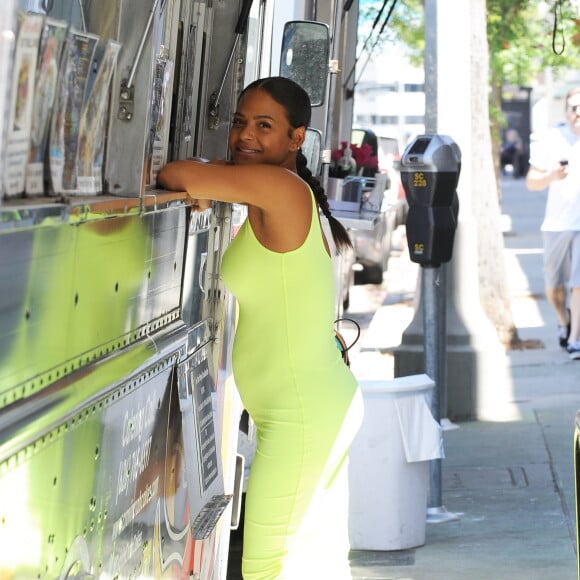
point(561, 259)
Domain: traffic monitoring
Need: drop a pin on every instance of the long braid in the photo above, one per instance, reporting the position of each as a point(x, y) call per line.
point(339, 233)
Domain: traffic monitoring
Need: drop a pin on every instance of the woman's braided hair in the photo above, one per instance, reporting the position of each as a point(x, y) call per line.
point(339, 233)
point(296, 102)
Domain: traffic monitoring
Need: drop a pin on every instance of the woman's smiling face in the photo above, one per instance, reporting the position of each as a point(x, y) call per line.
point(261, 133)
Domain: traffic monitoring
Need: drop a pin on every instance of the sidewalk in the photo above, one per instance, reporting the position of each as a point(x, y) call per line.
point(510, 482)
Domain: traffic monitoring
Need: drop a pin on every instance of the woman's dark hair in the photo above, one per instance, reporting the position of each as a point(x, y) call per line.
point(296, 102)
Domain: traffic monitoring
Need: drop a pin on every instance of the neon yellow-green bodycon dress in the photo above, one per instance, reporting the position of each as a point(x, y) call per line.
point(304, 401)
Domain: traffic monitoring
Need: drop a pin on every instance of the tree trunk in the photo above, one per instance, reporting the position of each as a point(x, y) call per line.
point(494, 291)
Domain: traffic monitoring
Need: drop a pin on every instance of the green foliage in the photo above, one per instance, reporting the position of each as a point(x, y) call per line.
point(522, 41)
point(513, 31)
point(521, 37)
point(406, 27)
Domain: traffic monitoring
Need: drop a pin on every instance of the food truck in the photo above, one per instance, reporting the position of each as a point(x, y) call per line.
point(119, 416)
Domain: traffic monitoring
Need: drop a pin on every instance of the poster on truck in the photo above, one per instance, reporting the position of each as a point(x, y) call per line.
point(51, 45)
point(20, 118)
point(70, 99)
point(93, 122)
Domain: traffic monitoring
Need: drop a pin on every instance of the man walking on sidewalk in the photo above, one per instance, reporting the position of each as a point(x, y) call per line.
point(555, 163)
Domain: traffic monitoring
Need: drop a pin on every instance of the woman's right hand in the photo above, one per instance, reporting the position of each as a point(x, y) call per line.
point(198, 204)
point(174, 181)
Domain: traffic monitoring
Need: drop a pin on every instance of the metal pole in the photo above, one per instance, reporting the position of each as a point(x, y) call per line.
point(442, 345)
point(142, 44)
point(434, 283)
point(433, 297)
point(430, 288)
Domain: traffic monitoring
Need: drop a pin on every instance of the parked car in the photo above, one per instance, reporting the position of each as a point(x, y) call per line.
point(372, 247)
point(390, 162)
point(344, 264)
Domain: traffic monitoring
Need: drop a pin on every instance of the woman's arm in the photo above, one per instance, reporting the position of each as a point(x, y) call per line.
point(267, 187)
point(279, 201)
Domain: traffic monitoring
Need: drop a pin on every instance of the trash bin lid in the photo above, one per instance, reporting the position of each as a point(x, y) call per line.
point(408, 384)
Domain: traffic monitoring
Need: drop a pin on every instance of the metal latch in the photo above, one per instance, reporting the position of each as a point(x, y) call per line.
point(126, 101)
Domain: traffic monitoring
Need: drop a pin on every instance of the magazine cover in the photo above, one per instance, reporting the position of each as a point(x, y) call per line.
point(159, 121)
point(51, 45)
point(93, 123)
point(64, 132)
point(7, 26)
point(20, 118)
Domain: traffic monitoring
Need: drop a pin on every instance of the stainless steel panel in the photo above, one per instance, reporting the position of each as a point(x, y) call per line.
point(76, 288)
point(162, 293)
point(189, 76)
point(195, 284)
point(128, 139)
point(212, 132)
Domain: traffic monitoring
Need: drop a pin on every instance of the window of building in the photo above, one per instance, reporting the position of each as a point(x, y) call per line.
point(388, 119)
point(414, 87)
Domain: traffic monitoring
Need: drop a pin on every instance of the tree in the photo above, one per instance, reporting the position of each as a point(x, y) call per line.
point(494, 292)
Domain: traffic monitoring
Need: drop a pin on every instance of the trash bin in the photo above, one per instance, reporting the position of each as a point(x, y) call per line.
point(389, 464)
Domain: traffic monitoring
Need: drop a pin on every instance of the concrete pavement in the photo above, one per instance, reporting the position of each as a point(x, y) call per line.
point(510, 478)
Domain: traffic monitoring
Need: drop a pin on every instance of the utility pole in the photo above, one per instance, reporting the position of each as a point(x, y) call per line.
point(434, 286)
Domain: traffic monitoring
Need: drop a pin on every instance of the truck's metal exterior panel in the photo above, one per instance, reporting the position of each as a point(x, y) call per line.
point(78, 286)
point(94, 476)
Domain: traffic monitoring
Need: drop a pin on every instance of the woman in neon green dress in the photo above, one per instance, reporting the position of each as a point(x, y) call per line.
point(303, 399)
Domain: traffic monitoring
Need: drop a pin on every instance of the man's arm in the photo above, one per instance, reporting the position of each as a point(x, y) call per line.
point(538, 179)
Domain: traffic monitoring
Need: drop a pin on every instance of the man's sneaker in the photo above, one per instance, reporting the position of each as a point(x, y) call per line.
point(574, 350)
point(563, 334)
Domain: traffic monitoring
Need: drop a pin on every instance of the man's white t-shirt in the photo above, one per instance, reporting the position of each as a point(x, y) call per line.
point(563, 205)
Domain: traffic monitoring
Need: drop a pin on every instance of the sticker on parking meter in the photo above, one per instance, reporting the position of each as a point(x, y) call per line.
point(419, 179)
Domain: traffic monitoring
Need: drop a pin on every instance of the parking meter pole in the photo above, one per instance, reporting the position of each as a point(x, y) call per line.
point(441, 377)
point(429, 283)
point(433, 297)
point(432, 339)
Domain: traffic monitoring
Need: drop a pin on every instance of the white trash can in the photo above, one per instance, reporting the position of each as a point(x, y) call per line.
point(389, 464)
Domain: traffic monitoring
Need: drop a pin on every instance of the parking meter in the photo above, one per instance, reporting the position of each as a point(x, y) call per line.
point(430, 168)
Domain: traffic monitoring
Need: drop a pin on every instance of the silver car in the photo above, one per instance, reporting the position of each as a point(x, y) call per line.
point(372, 247)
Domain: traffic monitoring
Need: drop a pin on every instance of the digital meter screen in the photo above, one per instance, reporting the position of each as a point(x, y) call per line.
point(420, 146)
